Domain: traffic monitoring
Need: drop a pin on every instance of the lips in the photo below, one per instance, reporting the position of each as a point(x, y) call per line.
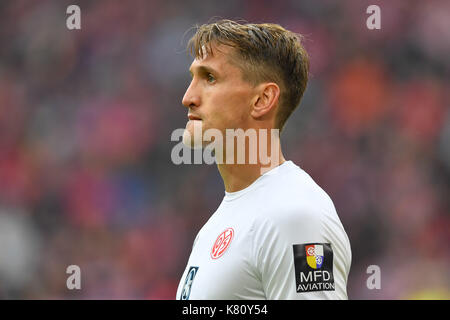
point(193, 117)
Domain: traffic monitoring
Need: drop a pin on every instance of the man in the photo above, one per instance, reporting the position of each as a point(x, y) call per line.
point(276, 234)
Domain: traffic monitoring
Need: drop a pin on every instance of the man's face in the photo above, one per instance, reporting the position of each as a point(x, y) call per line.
point(217, 97)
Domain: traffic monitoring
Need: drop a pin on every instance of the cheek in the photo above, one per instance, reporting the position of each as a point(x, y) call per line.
point(217, 112)
point(228, 108)
point(239, 109)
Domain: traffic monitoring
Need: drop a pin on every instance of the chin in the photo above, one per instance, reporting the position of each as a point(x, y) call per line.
point(193, 135)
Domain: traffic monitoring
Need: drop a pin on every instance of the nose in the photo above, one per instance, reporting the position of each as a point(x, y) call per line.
point(191, 97)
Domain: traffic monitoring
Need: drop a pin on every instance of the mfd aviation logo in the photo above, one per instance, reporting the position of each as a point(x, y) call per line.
point(222, 243)
point(313, 264)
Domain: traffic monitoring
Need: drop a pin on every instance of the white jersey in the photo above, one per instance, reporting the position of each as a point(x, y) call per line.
point(279, 238)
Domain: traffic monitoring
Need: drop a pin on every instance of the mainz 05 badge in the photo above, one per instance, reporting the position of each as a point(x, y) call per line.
point(313, 264)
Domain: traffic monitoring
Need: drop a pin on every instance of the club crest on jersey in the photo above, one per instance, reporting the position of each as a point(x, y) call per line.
point(314, 255)
point(313, 264)
point(222, 243)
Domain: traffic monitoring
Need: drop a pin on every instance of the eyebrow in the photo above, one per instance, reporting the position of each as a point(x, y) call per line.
point(203, 70)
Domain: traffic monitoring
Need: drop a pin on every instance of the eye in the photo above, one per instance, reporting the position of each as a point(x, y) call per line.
point(210, 78)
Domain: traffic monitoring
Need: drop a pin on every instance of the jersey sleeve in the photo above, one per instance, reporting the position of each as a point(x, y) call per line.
point(298, 255)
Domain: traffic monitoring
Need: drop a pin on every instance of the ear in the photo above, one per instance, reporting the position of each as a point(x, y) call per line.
point(266, 101)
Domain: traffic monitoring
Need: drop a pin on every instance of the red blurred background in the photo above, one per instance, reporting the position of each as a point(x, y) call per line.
point(86, 115)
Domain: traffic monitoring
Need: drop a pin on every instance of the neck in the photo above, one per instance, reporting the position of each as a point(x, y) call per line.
point(237, 176)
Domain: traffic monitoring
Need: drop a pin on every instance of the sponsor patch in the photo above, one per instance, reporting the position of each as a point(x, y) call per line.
point(186, 292)
point(313, 263)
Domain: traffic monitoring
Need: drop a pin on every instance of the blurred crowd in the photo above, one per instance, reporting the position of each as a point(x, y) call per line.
point(86, 176)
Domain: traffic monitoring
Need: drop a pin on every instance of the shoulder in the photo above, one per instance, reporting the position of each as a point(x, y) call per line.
point(292, 208)
point(292, 197)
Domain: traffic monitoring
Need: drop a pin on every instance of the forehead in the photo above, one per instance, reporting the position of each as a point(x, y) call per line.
point(221, 59)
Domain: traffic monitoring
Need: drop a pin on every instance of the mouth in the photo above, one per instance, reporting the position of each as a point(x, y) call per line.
point(192, 117)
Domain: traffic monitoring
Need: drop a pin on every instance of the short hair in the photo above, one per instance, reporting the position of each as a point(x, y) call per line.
point(266, 53)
